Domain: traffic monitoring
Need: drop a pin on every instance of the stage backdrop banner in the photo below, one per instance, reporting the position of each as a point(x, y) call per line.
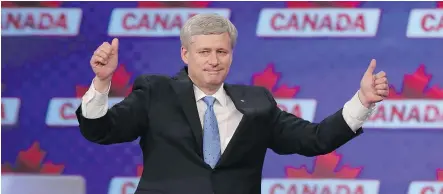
point(310, 55)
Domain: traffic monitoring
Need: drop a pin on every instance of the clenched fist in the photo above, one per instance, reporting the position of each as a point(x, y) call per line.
point(104, 62)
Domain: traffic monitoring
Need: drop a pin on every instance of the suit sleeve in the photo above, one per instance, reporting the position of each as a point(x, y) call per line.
point(121, 123)
point(294, 135)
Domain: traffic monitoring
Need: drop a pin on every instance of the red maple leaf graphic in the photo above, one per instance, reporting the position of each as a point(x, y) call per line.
point(439, 4)
point(139, 170)
point(415, 86)
point(316, 4)
point(439, 174)
point(158, 4)
point(120, 84)
point(30, 161)
point(269, 78)
point(324, 167)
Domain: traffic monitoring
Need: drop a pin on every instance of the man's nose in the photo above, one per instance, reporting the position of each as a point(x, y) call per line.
point(213, 59)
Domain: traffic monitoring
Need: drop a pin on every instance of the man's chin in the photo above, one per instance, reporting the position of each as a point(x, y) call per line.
point(215, 82)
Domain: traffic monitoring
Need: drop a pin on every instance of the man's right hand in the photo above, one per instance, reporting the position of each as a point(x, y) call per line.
point(104, 62)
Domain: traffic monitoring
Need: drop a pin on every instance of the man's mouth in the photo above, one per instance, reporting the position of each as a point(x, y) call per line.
point(213, 72)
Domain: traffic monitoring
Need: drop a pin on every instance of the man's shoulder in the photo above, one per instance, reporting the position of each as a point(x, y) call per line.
point(153, 79)
point(251, 89)
point(248, 87)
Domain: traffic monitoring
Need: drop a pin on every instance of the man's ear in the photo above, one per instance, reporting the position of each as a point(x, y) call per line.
point(184, 54)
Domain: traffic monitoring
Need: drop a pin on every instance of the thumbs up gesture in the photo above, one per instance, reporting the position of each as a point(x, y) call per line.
point(104, 61)
point(373, 88)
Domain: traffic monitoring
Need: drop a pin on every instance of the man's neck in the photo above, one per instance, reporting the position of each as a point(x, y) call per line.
point(208, 90)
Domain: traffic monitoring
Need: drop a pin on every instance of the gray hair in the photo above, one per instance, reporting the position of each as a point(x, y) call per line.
point(206, 24)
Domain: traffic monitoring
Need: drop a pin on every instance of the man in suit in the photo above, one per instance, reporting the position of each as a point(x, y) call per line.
point(200, 135)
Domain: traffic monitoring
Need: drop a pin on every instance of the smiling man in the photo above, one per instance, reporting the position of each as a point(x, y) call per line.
point(201, 135)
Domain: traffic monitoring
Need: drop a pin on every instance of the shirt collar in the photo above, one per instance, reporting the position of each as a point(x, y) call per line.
point(220, 95)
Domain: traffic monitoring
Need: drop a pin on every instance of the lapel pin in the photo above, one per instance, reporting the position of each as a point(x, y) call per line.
point(242, 100)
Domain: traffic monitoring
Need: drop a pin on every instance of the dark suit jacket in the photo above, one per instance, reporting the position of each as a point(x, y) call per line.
point(162, 112)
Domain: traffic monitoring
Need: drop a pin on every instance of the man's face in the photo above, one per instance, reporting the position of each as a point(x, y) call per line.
point(209, 58)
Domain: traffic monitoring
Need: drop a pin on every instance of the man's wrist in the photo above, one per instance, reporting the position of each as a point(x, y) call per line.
point(102, 86)
point(363, 100)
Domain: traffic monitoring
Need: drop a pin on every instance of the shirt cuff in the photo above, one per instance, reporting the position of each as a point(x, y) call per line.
point(355, 113)
point(95, 103)
point(97, 97)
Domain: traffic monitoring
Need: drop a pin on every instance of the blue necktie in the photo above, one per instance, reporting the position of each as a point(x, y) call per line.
point(211, 136)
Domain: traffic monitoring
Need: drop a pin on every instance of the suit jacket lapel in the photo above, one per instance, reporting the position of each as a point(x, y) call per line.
point(183, 87)
point(237, 96)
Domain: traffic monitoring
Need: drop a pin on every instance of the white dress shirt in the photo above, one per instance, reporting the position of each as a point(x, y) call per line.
point(95, 105)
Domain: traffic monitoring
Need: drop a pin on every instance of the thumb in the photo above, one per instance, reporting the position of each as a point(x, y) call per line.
point(371, 68)
point(114, 44)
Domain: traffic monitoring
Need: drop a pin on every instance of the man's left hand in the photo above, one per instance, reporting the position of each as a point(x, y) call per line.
point(373, 88)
